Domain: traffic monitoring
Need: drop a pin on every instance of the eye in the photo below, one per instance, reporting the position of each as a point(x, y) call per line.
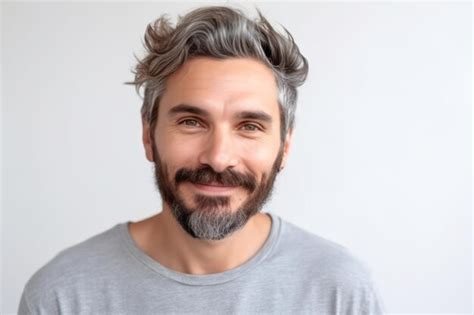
point(251, 127)
point(190, 123)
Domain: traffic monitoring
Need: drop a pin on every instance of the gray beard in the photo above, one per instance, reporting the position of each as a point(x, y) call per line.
point(216, 224)
point(212, 219)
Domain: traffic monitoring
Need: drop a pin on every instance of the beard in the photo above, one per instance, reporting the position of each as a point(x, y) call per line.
point(212, 218)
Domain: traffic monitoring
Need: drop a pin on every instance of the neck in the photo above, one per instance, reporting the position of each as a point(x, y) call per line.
point(162, 238)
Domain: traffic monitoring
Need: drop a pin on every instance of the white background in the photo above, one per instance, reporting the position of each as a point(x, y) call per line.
point(381, 161)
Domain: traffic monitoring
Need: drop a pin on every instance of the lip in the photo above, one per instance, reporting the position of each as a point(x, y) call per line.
point(215, 189)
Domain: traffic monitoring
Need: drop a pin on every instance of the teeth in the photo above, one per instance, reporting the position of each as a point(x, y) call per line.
point(215, 184)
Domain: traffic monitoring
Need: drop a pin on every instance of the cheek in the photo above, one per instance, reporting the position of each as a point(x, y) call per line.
point(176, 151)
point(177, 155)
point(258, 154)
point(259, 158)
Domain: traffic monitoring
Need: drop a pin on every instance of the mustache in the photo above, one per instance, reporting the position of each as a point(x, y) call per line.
point(206, 175)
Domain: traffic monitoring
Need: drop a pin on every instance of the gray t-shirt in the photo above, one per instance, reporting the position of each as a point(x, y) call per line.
point(294, 272)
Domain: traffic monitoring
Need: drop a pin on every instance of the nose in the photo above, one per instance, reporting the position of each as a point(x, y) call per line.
point(219, 151)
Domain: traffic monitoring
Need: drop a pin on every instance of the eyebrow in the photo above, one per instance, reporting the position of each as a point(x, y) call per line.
point(255, 115)
point(191, 109)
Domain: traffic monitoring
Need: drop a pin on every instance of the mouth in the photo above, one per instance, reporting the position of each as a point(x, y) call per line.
point(214, 188)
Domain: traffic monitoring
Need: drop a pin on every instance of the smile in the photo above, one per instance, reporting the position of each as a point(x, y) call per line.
point(214, 188)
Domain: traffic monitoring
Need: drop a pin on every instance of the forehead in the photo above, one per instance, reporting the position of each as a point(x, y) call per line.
point(222, 86)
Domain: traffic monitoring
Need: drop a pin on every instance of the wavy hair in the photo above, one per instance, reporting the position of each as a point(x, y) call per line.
point(218, 32)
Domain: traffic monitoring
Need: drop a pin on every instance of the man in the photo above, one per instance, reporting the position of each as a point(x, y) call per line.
point(218, 113)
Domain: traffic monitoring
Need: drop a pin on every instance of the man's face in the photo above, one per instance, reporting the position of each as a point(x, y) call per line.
point(216, 145)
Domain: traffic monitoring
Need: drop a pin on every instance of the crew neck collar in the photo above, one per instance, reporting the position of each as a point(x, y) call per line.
point(208, 279)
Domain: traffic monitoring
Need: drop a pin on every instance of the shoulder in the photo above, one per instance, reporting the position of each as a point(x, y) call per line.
point(322, 258)
point(71, 267)
point(328, 270)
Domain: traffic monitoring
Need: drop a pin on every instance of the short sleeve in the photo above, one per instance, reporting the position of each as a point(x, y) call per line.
point(23, 308)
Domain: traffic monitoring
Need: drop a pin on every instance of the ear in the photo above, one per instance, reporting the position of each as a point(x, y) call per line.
point(286, 147)
point(147, 141)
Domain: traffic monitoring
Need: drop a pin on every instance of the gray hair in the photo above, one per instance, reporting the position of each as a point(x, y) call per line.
point(218, 32)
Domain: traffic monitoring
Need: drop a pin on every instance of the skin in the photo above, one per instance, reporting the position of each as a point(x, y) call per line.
point(221, 139)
